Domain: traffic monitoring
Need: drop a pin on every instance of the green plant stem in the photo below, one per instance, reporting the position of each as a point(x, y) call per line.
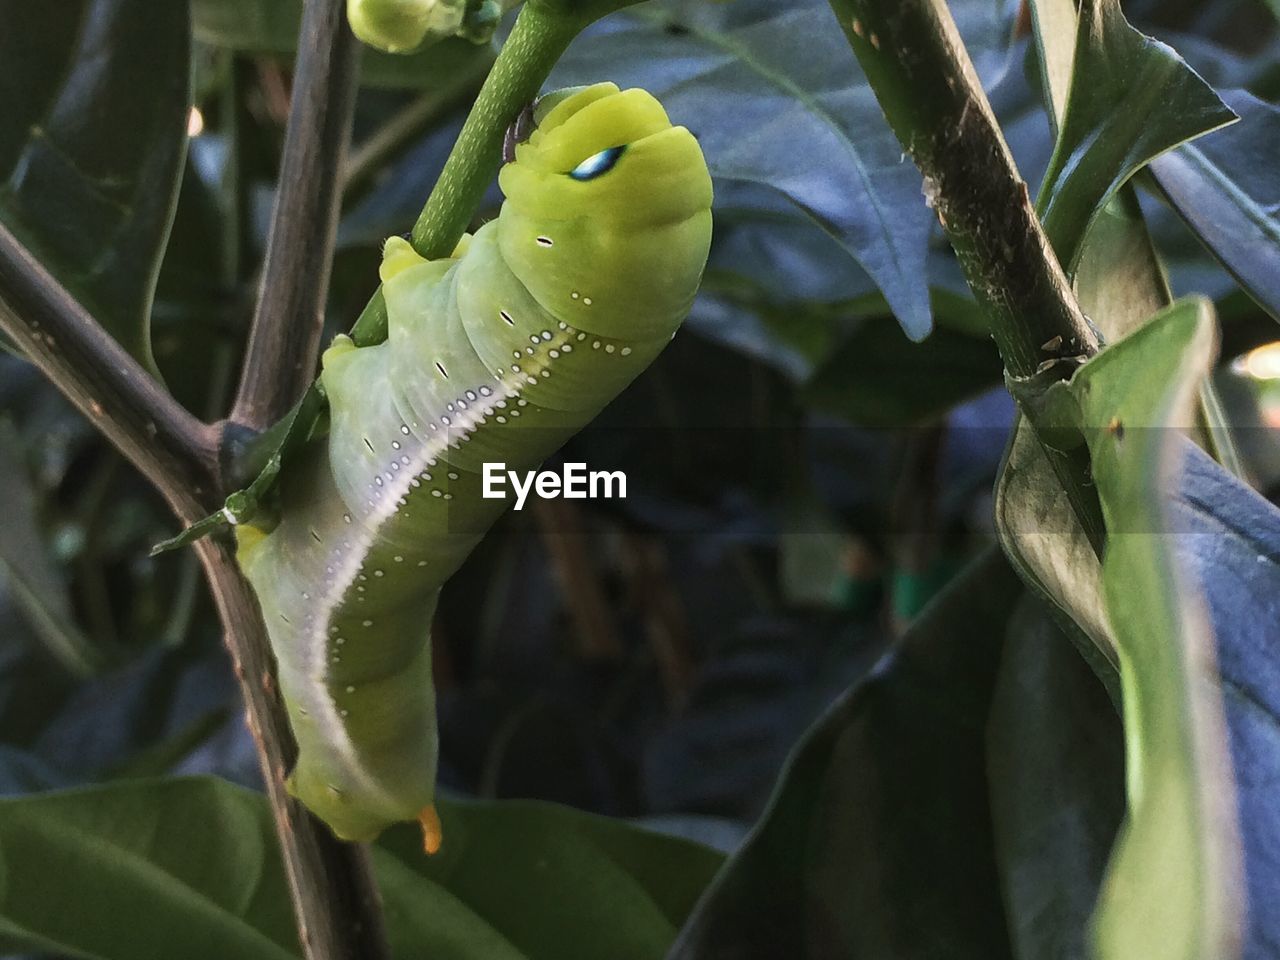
point(540, 35)
point(926, 84)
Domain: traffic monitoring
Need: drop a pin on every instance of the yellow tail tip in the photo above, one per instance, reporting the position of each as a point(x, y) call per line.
point(432, 834)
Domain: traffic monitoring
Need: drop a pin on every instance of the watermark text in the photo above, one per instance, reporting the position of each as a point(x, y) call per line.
point(573, 482)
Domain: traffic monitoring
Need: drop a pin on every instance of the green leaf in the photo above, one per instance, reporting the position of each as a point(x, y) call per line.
point(426, 921)
point(1119, 279)
point(1121, 284)
point(559, 884)
point(1119, 276)
point(877, 841)
point(91, 146)
point(29, 572)
point(189, 868)
point(879, 378)
point(1132, 98)
point(271, 27)
point(142, 870)
point(1172, 885)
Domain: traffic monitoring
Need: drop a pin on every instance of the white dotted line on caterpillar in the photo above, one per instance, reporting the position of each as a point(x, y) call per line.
point(470, 410)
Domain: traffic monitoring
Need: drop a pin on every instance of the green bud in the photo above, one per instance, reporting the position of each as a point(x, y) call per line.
point(398, 26)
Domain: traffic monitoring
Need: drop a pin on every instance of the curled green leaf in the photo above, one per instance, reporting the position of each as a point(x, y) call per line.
point(1132, 98)
point(1172, 886)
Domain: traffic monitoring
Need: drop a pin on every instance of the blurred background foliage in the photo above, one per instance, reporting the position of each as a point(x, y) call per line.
point(809, 462)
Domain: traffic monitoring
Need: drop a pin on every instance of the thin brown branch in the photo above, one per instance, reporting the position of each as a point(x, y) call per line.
point(334, 893)
point(285, 340)
point(173, 449)
point(335, 898)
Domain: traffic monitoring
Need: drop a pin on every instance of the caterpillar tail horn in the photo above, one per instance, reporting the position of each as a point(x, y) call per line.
point(432, 833)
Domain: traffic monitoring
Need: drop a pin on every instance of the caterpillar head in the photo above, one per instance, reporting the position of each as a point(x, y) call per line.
point(607, 219)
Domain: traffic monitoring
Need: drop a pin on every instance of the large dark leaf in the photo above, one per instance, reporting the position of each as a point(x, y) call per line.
point(143, 708)
point(28, 570)
point(1229, 546)
point(1056, 764)
point(1226, 186)
point(878, 841)
point(92, 139)
point(778, 288)
point(777, 100)
point(878, 378)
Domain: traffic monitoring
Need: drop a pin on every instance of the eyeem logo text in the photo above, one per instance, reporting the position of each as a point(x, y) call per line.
point(574, 482)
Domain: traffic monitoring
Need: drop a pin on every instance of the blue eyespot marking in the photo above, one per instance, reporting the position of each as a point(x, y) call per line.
point(597, 164)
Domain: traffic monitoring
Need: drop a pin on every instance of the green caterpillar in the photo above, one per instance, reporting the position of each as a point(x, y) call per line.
point(499, 353)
